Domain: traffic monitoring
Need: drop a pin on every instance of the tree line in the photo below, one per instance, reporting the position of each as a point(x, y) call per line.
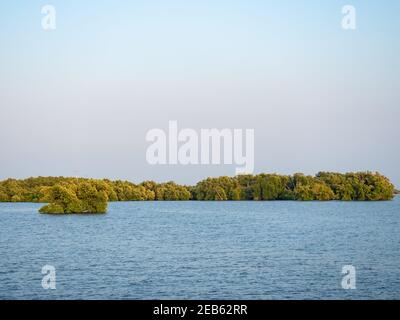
point(77, 195)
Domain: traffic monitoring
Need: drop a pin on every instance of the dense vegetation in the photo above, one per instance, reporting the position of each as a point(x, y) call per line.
point(324, 186)
point(79, 195)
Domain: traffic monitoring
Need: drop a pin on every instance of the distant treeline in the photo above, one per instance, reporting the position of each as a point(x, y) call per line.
point(74, 195)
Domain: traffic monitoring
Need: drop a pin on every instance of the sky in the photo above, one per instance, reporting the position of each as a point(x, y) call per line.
point(80, 99)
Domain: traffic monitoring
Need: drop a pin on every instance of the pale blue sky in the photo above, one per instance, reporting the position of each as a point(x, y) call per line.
point(79, 100)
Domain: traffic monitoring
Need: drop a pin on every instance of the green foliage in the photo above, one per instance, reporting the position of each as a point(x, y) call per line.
point(308, 188)
point(82, 197)
point(79, 195)
point(16, 198)
point(91, 199)
point(358, 186)
point(171, 191)
point(52, 208)
point(65, 198)
point(272, 187)
point(127, 191)
point(222, 188)
point(4, 196)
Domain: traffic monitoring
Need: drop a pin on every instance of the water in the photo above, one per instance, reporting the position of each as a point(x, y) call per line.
point(203, 250)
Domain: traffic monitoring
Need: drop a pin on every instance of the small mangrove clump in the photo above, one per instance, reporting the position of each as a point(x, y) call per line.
point(75, 198)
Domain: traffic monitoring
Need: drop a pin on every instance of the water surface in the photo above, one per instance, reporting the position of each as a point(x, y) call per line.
point(203, 250)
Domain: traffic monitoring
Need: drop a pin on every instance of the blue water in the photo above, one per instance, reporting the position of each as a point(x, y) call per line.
point(203, 250)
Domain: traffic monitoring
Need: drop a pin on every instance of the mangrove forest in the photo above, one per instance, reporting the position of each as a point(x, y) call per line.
point(63, 195)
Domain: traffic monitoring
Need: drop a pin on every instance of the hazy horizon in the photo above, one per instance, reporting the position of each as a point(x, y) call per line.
point(79, 100)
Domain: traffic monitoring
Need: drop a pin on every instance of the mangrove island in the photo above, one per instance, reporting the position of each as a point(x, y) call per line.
point(81, 195)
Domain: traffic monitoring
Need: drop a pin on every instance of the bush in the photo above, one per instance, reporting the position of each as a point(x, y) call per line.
point(52, 208)
point(83, 198)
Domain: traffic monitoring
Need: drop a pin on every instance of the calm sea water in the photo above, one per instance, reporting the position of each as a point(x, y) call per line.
point(203, 250)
